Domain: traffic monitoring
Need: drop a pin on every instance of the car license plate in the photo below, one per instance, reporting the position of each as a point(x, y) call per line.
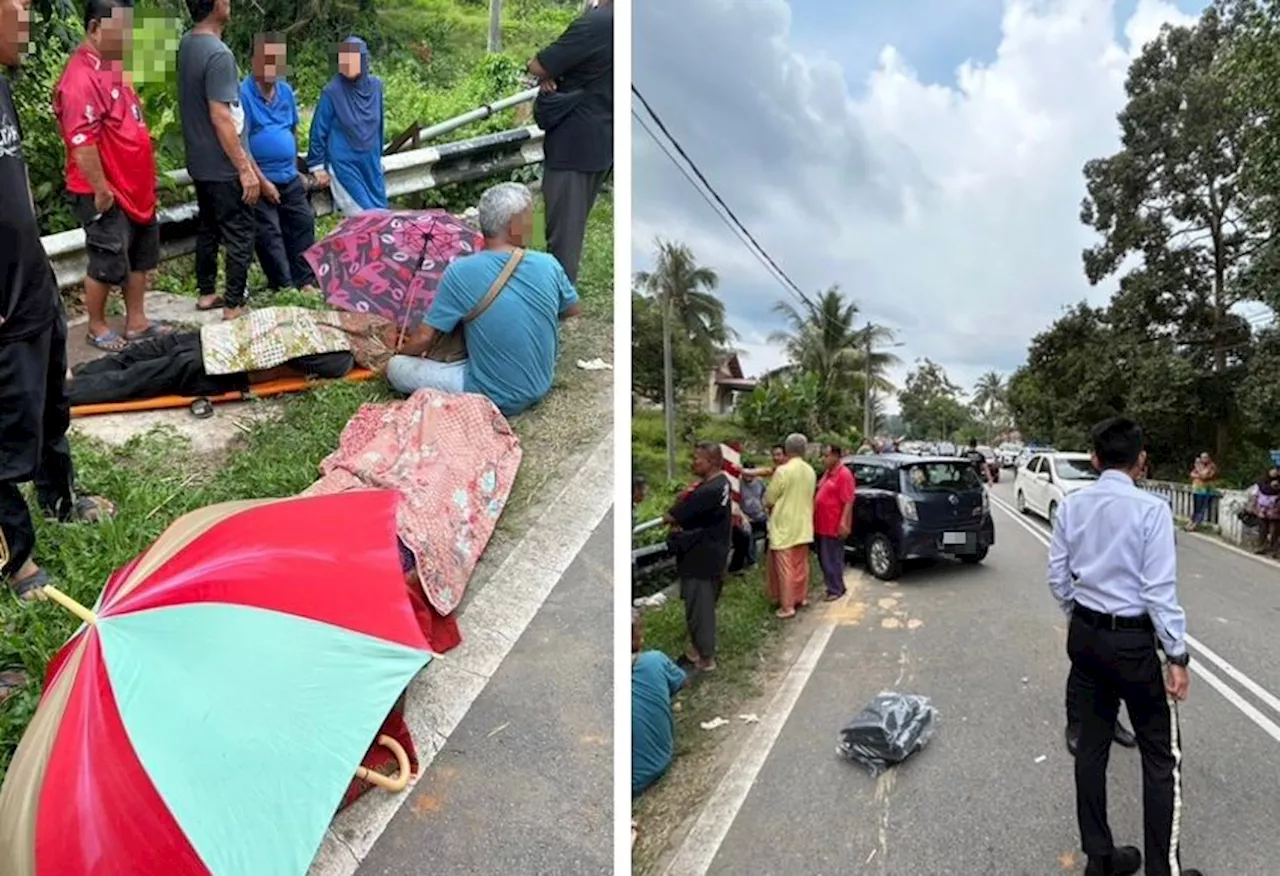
point(954, 538)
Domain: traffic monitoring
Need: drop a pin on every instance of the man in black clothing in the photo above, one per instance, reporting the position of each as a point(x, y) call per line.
point(34, 413)
point(701, 526)
point(978, 461)
point(575, 110)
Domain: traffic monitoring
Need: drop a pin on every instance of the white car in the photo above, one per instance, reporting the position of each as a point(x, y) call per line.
point(1047, 478)
point(946, 448)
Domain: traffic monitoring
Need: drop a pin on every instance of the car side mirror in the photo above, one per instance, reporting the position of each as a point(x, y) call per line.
point(1042, 476)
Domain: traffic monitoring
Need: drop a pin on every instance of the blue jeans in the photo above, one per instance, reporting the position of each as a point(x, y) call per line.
point(1200, 505)
point(408, 374)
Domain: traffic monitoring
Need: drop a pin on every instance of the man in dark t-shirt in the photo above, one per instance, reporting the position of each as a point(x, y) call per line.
point(701, 534)
point(575, 110)
point(978, 461)
point(34, 411)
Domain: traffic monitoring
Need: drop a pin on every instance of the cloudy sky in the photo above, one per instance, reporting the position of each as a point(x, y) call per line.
point(926, 155)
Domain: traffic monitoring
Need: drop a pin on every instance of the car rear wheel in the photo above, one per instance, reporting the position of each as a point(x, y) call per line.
point(882, 558)
point(975, 558)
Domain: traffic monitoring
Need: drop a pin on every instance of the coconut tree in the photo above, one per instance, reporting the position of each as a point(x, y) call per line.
point(989, 395)
point(690, 288)
point(822, 338)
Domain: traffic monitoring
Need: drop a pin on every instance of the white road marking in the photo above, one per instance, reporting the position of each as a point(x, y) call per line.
point(703, 842)
point(1245, 707)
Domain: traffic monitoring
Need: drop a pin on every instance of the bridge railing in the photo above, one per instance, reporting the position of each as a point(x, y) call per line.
point(1224, 507)
point(410, 172)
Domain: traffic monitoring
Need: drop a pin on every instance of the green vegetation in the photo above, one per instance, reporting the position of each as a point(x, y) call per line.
point(155, 478)
point(429, 53)
point(1191, 191)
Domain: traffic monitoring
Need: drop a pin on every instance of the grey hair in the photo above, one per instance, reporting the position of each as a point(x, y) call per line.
point(501, 204)
point(796, 444)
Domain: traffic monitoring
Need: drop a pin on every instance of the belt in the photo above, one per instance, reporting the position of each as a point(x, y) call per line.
point(1101, 621)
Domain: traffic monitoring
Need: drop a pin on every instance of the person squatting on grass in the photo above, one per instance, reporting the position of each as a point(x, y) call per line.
point(34, 410)
point(509, 303)
point(655, 681)
point(789, 500)
point(701, 535)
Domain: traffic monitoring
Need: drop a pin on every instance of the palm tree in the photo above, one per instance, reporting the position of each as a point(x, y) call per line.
point(822, 339)
point(989, 395)
point(689, 287)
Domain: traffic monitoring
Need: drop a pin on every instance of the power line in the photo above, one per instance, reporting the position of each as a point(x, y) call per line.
point(693, 165)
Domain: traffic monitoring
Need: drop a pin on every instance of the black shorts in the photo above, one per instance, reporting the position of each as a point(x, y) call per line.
point(117, 246)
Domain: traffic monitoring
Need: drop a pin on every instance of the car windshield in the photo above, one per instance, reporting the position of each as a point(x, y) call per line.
point(1074, 469)
point(940, 477)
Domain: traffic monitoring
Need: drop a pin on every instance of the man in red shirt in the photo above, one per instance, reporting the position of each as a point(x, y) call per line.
point(111, 172)
point(833, 519)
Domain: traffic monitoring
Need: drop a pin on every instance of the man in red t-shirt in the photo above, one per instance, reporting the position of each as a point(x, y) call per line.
point(833, 519)
point(111, 173)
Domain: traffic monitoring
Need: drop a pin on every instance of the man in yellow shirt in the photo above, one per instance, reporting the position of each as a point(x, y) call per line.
point(790, 503)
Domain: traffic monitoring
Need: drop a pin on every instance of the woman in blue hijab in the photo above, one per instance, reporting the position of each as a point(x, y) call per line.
point(345, 151)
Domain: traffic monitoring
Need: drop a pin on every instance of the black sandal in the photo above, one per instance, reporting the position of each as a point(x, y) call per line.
point(31, 589)
point(202, 409)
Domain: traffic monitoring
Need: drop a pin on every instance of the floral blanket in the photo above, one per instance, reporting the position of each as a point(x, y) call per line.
point(270, 337)
point(453, 458)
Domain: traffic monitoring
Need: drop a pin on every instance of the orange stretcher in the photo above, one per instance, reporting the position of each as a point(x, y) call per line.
point(268, 389)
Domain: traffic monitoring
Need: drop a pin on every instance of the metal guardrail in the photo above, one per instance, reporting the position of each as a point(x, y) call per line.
point(407, 173)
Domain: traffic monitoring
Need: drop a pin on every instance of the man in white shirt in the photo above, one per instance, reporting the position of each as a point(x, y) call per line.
point(1113, 570)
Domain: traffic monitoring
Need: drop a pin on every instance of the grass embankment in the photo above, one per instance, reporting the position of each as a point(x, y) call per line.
point(749, 642)
point(155, 478)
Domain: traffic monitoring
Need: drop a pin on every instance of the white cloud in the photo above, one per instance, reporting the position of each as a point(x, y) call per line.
point(948, 212)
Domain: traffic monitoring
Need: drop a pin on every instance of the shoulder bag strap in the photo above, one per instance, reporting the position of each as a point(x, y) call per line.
point(498, 285)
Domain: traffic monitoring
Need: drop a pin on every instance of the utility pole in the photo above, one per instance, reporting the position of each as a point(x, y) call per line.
point(867, 424)
point(495, 26)
point(668, 386)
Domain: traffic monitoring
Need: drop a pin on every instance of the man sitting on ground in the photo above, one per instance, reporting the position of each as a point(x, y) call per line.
point(513, 343)
point(654, 681)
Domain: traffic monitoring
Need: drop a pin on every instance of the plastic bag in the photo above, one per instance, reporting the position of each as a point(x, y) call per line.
point(888, 730)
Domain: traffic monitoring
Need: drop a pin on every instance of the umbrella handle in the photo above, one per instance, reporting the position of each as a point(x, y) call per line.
point(387, 783)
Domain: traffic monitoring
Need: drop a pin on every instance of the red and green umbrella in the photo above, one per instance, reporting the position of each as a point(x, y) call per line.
point(209, 714)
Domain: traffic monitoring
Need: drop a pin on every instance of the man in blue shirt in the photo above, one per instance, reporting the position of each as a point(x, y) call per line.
point(1113, 568)
point(286, 225)
point(513, 344)
point(654, 681)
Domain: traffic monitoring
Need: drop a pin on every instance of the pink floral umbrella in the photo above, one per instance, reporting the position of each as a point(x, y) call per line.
point(389, 262)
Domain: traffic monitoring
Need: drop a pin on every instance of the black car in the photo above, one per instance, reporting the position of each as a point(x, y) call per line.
point(912, 507)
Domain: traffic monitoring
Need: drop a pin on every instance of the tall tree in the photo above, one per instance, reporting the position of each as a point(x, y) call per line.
point(691, 362)
point(1172, 196)
point(989, 400)
point(822, 338)
point(931, 403)
point(690, 287)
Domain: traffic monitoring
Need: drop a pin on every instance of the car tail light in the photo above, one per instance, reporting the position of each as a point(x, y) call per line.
point(986, 502)
point(907, 507)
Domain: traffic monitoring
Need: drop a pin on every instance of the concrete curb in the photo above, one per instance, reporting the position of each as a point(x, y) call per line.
point(491, 623)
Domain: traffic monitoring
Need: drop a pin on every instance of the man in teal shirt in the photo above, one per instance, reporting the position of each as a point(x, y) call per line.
point(655, 679)
point(513, 345)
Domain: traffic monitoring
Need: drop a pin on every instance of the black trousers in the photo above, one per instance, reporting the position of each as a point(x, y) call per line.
point(1073, 703)
point(700, 597)
point(170, 364)
point(34, 416)
point(226, 222)
point(285, 231)
point(1109, 666)
point(570, 195)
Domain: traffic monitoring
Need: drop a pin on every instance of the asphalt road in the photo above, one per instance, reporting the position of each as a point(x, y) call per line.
point(993, 792)
point(524, 784)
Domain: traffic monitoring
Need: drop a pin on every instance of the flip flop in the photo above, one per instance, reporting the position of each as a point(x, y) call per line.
point(11, 683)
point(31, 589)
point(155, 329)
point(217, 304)
point(91, 509)
point(202, 409)
point(108, 342)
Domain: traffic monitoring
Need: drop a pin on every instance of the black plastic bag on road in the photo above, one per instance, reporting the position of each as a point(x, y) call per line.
point(888, 730)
